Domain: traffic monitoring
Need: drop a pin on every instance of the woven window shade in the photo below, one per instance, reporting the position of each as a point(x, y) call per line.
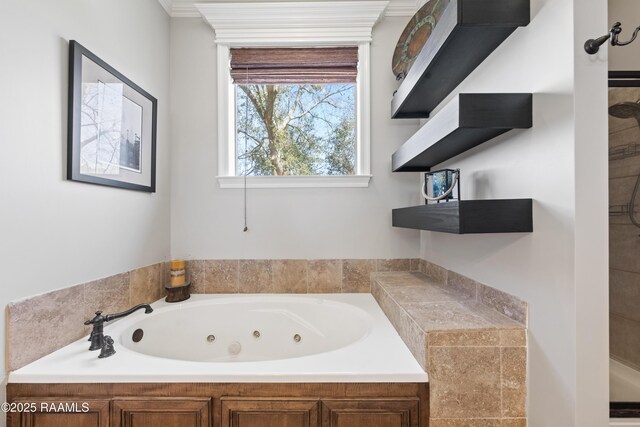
point(294, 65)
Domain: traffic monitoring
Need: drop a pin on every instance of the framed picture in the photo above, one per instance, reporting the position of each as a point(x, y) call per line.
point(112, 126)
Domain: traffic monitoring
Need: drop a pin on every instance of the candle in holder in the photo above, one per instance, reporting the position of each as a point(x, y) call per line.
point(178, 273)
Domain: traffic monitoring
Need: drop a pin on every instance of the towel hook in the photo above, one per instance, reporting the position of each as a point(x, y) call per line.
point(592, 46)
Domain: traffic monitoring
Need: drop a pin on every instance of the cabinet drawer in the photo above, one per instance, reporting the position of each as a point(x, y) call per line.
point(165, 412)
point(269, 413)
point(60, 412)
point(370, 412)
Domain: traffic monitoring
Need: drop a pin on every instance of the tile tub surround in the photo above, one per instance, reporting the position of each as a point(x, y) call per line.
point(44, 323)
point(290, 275)
point(464, 335)
point(39, 325)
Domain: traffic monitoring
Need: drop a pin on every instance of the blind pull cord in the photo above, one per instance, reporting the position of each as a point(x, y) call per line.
point(246, 125)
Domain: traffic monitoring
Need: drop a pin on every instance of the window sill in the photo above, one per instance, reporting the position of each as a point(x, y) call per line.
point(344, 181)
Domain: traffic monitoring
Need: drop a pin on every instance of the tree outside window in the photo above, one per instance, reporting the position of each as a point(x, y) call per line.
point(295, 129)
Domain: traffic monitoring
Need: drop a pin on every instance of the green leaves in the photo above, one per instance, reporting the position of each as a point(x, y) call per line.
point(295, 129)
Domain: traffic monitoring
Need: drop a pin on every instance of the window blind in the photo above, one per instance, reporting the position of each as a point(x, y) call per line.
point(294, 65)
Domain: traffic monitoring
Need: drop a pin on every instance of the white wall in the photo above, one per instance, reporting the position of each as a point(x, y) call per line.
point(207, 221)
point(561, 269)
point(56, 233)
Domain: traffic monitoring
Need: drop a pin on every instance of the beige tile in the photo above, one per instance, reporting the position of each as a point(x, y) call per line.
point(415, 264)
point(442, 316)
point(625, 134)
point(409, 331)
point(393, 265)
point(624, 294)
point(400, 278)
point(495, 318)
point(109, 295)
point(325, 276)
point(629, 166)
point(435, 272)
point(514, 422)
point(465, 422)
point(462, 286)
point(474, 338)
point(423, 266)
point(356, 274)
point(624, 248)
point(254, 276)
point(164, 277)
point(145, 284)
point(514, 381)
point(620, 190)
point(513, 338)
point(504, 303)
point(464, 382)
point(408, 294)
point(624, 339)
point(221, 276)
point(40, 325)
point(289, 276)
point(197, 276)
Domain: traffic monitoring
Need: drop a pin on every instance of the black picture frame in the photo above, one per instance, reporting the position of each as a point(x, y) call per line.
point(103, 104)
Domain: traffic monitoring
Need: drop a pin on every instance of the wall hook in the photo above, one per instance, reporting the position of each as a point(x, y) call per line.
point(592, 46)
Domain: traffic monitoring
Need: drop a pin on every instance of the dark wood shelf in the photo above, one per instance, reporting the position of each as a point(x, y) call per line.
point(467, 33)
point(467, 121)
point(469, 216)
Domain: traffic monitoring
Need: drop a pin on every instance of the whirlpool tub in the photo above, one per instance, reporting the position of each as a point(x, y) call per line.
point(241, 338)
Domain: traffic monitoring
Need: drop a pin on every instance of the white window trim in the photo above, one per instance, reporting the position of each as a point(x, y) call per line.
point(292, 24)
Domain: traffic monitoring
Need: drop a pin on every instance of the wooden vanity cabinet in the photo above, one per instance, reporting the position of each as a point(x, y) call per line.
point(60, 412)
point(225, 405)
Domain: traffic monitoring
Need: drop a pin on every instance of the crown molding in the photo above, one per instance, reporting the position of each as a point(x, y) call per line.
point(403, 7)
point(187, 8)
point(167, 5)
point(255, 24)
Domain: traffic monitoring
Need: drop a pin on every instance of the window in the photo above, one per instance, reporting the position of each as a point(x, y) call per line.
point(295, 111)
point(309, 25)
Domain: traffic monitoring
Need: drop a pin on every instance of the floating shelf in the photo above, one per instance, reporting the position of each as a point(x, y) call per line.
point(469, 216)
point(468, 120)
point(467, 33)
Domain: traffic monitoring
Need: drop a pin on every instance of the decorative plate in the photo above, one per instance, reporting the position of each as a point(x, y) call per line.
point(415, 35)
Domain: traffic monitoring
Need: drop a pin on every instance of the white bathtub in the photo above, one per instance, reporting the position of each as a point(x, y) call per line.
point(242, 338)
point(624, 386)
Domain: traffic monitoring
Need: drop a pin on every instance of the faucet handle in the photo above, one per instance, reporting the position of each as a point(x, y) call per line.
point(107, 349)
point(97, 319)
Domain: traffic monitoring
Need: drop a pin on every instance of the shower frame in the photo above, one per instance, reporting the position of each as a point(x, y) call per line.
point(624, 79)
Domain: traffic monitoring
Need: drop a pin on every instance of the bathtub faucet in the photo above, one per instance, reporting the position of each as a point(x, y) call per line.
point(97, 335)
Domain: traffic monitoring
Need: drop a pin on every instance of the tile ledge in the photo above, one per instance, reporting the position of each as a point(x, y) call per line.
point(474, 307)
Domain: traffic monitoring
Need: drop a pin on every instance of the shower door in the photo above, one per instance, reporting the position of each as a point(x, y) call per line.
point(624, 242)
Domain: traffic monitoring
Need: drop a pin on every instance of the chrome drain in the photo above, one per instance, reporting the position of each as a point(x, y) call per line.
point(297, 338)
point(211, 338)
point(256, 334)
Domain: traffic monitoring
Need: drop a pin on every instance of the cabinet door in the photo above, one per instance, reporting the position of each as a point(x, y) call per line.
point(269, 413)
point(370, 412)
point(165, 412)
point(60, 412)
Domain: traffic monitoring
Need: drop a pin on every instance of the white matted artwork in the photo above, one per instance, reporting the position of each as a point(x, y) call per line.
point(112, 126)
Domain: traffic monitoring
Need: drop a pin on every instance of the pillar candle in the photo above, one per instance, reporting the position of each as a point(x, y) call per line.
point(177, 273)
